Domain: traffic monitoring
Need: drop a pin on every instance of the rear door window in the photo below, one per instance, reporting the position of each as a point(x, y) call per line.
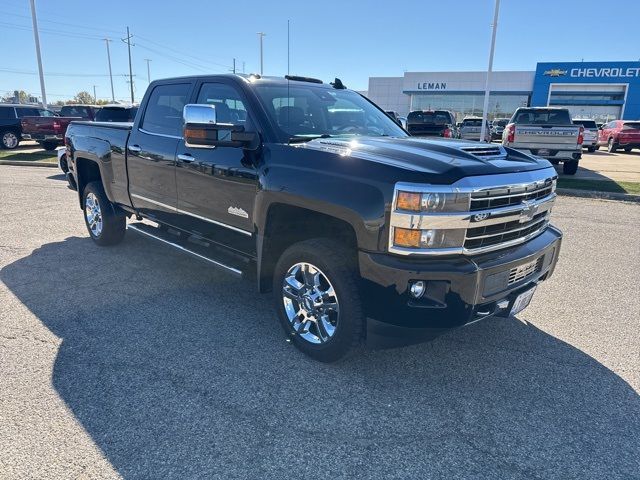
point(6, 113)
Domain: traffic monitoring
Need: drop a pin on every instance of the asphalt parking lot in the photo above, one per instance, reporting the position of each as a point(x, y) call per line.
point(138, 362)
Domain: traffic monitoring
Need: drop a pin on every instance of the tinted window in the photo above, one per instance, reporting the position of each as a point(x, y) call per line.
point(6, 112)
point(33, 112)
point(631, 126)
point(75, 111)
point(527, 116)
point(229, 106)
point(437, 118)
point(163, 114)
point(116, 114)
point(586, 123)
point(500, 123)
point(472, 122)
point(308, 111)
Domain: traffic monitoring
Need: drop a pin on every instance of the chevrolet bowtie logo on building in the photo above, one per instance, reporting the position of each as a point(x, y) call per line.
point(555, 72)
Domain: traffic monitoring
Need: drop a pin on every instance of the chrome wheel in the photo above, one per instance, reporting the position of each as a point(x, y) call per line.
point(10, 140)
point(310, 303)
point(93, 214)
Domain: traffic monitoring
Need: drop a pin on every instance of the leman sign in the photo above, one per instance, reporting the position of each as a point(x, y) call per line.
point(616, 72)
point(432, 85)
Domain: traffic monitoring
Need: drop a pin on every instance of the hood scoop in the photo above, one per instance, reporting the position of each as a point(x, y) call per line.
point(485, 151)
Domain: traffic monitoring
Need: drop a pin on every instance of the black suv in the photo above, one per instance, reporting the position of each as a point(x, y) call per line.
point(10, 127)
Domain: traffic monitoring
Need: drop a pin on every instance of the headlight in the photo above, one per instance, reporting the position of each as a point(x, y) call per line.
point(432, 202)
point(431, 238)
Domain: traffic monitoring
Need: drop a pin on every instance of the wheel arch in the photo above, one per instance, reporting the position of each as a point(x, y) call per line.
point(287, 224)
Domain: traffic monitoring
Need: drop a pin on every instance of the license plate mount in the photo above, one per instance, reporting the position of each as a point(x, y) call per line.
point(544, 151)
point(522, 301)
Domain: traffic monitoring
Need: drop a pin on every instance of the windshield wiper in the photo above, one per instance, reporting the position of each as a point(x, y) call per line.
point(303, 139)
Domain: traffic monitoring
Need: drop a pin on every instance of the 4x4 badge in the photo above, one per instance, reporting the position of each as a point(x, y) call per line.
point(237, 211)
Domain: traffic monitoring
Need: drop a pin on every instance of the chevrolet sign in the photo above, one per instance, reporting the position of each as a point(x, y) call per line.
point(555, 72)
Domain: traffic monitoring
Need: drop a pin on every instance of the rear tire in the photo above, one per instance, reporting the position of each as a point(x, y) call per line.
point(591, 149)
point(627, 150)
point(316, 295)
point(9, 139)
point(611, 146)
point(49, 146)
point(105, 225)
point(570, 168)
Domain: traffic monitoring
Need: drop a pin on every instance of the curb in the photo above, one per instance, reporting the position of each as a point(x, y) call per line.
point(18, 163)
point(572, 192)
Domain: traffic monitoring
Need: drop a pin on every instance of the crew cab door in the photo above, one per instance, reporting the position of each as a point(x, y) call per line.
point(217, 186)
point(151, 150)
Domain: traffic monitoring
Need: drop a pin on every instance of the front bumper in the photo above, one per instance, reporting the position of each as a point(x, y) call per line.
point(460, 289)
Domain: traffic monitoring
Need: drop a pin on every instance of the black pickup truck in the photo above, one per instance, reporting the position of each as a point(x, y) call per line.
point(359, 231)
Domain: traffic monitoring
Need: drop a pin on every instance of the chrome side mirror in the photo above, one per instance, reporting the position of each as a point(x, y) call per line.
point(201, 130)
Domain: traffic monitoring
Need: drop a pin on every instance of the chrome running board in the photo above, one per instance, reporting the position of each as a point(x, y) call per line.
point(148, 231)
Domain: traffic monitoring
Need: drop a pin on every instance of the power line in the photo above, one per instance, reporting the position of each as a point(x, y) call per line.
point(60, 74)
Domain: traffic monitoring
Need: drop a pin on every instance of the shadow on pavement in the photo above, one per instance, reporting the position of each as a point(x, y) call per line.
point(179, 371)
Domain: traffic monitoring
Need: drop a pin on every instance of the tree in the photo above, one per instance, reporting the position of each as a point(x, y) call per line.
point(83, 97)
point(10, 97)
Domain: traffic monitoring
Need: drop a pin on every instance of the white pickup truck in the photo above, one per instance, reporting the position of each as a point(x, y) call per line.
point(547, 132)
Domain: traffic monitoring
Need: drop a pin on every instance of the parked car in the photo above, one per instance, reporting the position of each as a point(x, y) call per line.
point(620, 134)
point(547, 132)
point(10, 122)
point(438, 123)
point(471, 129)
point(497, 127)
point(360, 231)
point(590, 135)
point(117, 113)
point(49, 131)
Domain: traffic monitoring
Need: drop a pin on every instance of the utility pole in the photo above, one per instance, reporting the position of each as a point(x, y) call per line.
point(261, 36)
point(95, 98)
point(487, 87)
point(128, 42)
point(148, 71)
point(243, 67)
point(113, 96)
point(36, 36)
point(234, 66)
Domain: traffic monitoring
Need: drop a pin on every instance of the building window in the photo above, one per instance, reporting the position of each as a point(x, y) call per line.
point(470, 104)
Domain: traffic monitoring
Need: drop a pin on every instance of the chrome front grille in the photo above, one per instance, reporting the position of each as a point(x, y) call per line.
point(498, 233)
point(509, 196)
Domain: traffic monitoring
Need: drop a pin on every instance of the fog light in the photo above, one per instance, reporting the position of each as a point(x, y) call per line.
point(417, 289)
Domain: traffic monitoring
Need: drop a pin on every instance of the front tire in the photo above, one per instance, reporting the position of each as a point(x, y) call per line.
point(316, 295)
point(570, 168)
point(105, 226)
point(611, 146)
point(9, 139)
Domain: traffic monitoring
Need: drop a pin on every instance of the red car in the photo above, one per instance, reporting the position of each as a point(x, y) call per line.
point(620, 134)
point(49, 131)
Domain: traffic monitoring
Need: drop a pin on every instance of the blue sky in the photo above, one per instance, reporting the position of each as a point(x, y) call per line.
point(349, 39)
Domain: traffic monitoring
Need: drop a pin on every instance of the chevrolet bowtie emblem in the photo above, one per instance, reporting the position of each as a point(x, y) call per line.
point(555, 72)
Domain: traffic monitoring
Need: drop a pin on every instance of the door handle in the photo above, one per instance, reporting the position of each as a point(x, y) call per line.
point(134, 148)
point(186, 158)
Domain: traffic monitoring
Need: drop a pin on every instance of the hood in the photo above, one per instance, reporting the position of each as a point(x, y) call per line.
point(447, 160)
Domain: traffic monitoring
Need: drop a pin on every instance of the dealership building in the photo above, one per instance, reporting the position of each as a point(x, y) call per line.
point(600, 90)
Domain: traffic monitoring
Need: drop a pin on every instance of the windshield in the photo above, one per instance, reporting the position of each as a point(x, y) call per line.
point(586, 123)
point(116, 114)
point(542, 117)
point(307, 112)
point(436, 118)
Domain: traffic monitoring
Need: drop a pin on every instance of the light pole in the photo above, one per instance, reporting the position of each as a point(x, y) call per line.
point(95, 98)
point(128, 42)
point(487, 87)
point(261, 36)
point(36, 37)
point(148, 71)
point(113, 97)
